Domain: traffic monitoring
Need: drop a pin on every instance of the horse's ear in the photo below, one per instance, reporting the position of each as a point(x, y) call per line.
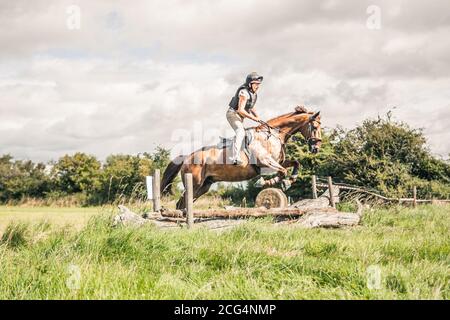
point(314, 116)
point(300, 109)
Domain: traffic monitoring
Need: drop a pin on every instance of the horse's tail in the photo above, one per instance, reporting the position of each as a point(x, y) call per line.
point(170, 173)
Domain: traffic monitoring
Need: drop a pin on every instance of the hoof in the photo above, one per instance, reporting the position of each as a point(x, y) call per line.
point(285, 184)
point(260, 183)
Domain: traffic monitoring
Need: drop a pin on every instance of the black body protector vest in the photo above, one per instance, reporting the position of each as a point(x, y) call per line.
point(234, 103)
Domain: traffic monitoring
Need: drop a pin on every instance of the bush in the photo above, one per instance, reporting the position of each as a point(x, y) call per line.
point(388, 156)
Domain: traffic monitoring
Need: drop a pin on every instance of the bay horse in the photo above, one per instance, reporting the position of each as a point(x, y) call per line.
point(209, 164)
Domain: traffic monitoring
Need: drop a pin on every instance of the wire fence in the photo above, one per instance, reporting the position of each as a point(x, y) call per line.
point(369, 194)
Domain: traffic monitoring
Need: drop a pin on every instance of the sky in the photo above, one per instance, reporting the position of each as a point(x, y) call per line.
point(110, 77)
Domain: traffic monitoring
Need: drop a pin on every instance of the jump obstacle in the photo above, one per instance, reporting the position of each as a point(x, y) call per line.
point(271, 202)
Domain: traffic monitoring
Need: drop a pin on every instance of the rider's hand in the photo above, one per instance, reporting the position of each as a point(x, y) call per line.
point(265, 124)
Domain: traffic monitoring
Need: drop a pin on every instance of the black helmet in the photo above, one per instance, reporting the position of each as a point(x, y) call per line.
point(253, 77)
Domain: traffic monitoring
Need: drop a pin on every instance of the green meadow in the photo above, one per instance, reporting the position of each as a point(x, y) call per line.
point(76, 253)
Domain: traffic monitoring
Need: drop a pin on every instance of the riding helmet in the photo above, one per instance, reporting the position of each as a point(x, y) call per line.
point(253, 77)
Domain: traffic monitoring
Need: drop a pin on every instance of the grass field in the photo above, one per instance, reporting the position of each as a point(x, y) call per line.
point(57, 217)
point(396, 253)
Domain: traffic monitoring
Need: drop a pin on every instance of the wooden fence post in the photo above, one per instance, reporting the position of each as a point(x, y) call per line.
point(330, 190)
point(189, 200)
point(415, 196)
point(156, 191)
point(314, 186)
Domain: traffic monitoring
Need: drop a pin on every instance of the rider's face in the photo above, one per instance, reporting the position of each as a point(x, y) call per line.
point(255, 86)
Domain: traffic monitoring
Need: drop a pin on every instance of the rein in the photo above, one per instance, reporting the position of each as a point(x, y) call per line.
point(268, 129)
point(278, 131)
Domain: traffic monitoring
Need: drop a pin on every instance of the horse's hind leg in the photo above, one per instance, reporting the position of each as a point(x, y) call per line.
point(204, 188)
point(181, 202)
point(199, 185)
point(198, 192)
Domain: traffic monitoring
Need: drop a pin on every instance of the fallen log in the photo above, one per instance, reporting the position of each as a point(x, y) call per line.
point(247, 212)
point(321, 202)
point(318, 219)
point(128, 218)
point(330, 221)
point(223, 219)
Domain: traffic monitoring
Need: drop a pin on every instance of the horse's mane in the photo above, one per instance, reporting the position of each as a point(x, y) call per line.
point(274, 122)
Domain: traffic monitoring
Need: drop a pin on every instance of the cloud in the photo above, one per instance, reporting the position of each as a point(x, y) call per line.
point(134, 74)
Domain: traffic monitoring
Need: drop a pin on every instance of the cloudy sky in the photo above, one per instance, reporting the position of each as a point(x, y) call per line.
point(109, 77)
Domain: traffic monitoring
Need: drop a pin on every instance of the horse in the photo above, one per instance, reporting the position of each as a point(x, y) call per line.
point(210, 164)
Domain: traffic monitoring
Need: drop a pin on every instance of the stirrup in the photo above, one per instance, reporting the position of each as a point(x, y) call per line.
point(237, 162)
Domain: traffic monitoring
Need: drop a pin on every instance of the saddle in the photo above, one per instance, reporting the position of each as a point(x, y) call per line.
point(228, 142)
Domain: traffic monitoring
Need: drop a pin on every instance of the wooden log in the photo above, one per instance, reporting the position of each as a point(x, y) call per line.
point(128, 218)
point(156, 191)
point(271, 198)
point(330, 188)
point(189, 200)
point(330, 221)
point(318, 219)
point(247, 212)
point(310, 218)
point(314, 186)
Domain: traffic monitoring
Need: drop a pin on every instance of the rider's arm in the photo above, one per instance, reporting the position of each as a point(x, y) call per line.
point(253, 111)
point(241, 109)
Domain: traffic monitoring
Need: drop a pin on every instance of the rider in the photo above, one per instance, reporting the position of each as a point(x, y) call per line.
point(242, 106)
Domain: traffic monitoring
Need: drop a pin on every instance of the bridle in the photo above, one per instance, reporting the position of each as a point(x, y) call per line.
point(313, 133)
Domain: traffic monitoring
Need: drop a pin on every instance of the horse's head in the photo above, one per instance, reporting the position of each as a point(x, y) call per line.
point(314, 135)
point(308, 123)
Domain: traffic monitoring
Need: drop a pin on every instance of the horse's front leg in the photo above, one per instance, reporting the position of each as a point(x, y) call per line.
point(286, 183)
point(270, 162)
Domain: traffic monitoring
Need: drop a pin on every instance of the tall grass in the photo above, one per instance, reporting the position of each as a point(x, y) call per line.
point(256, 260)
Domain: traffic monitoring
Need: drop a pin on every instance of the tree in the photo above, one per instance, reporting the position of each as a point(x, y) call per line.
point(20, 179)
point(124, 175)
point(120, 175)
point(160, 158)
point(77, 173)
